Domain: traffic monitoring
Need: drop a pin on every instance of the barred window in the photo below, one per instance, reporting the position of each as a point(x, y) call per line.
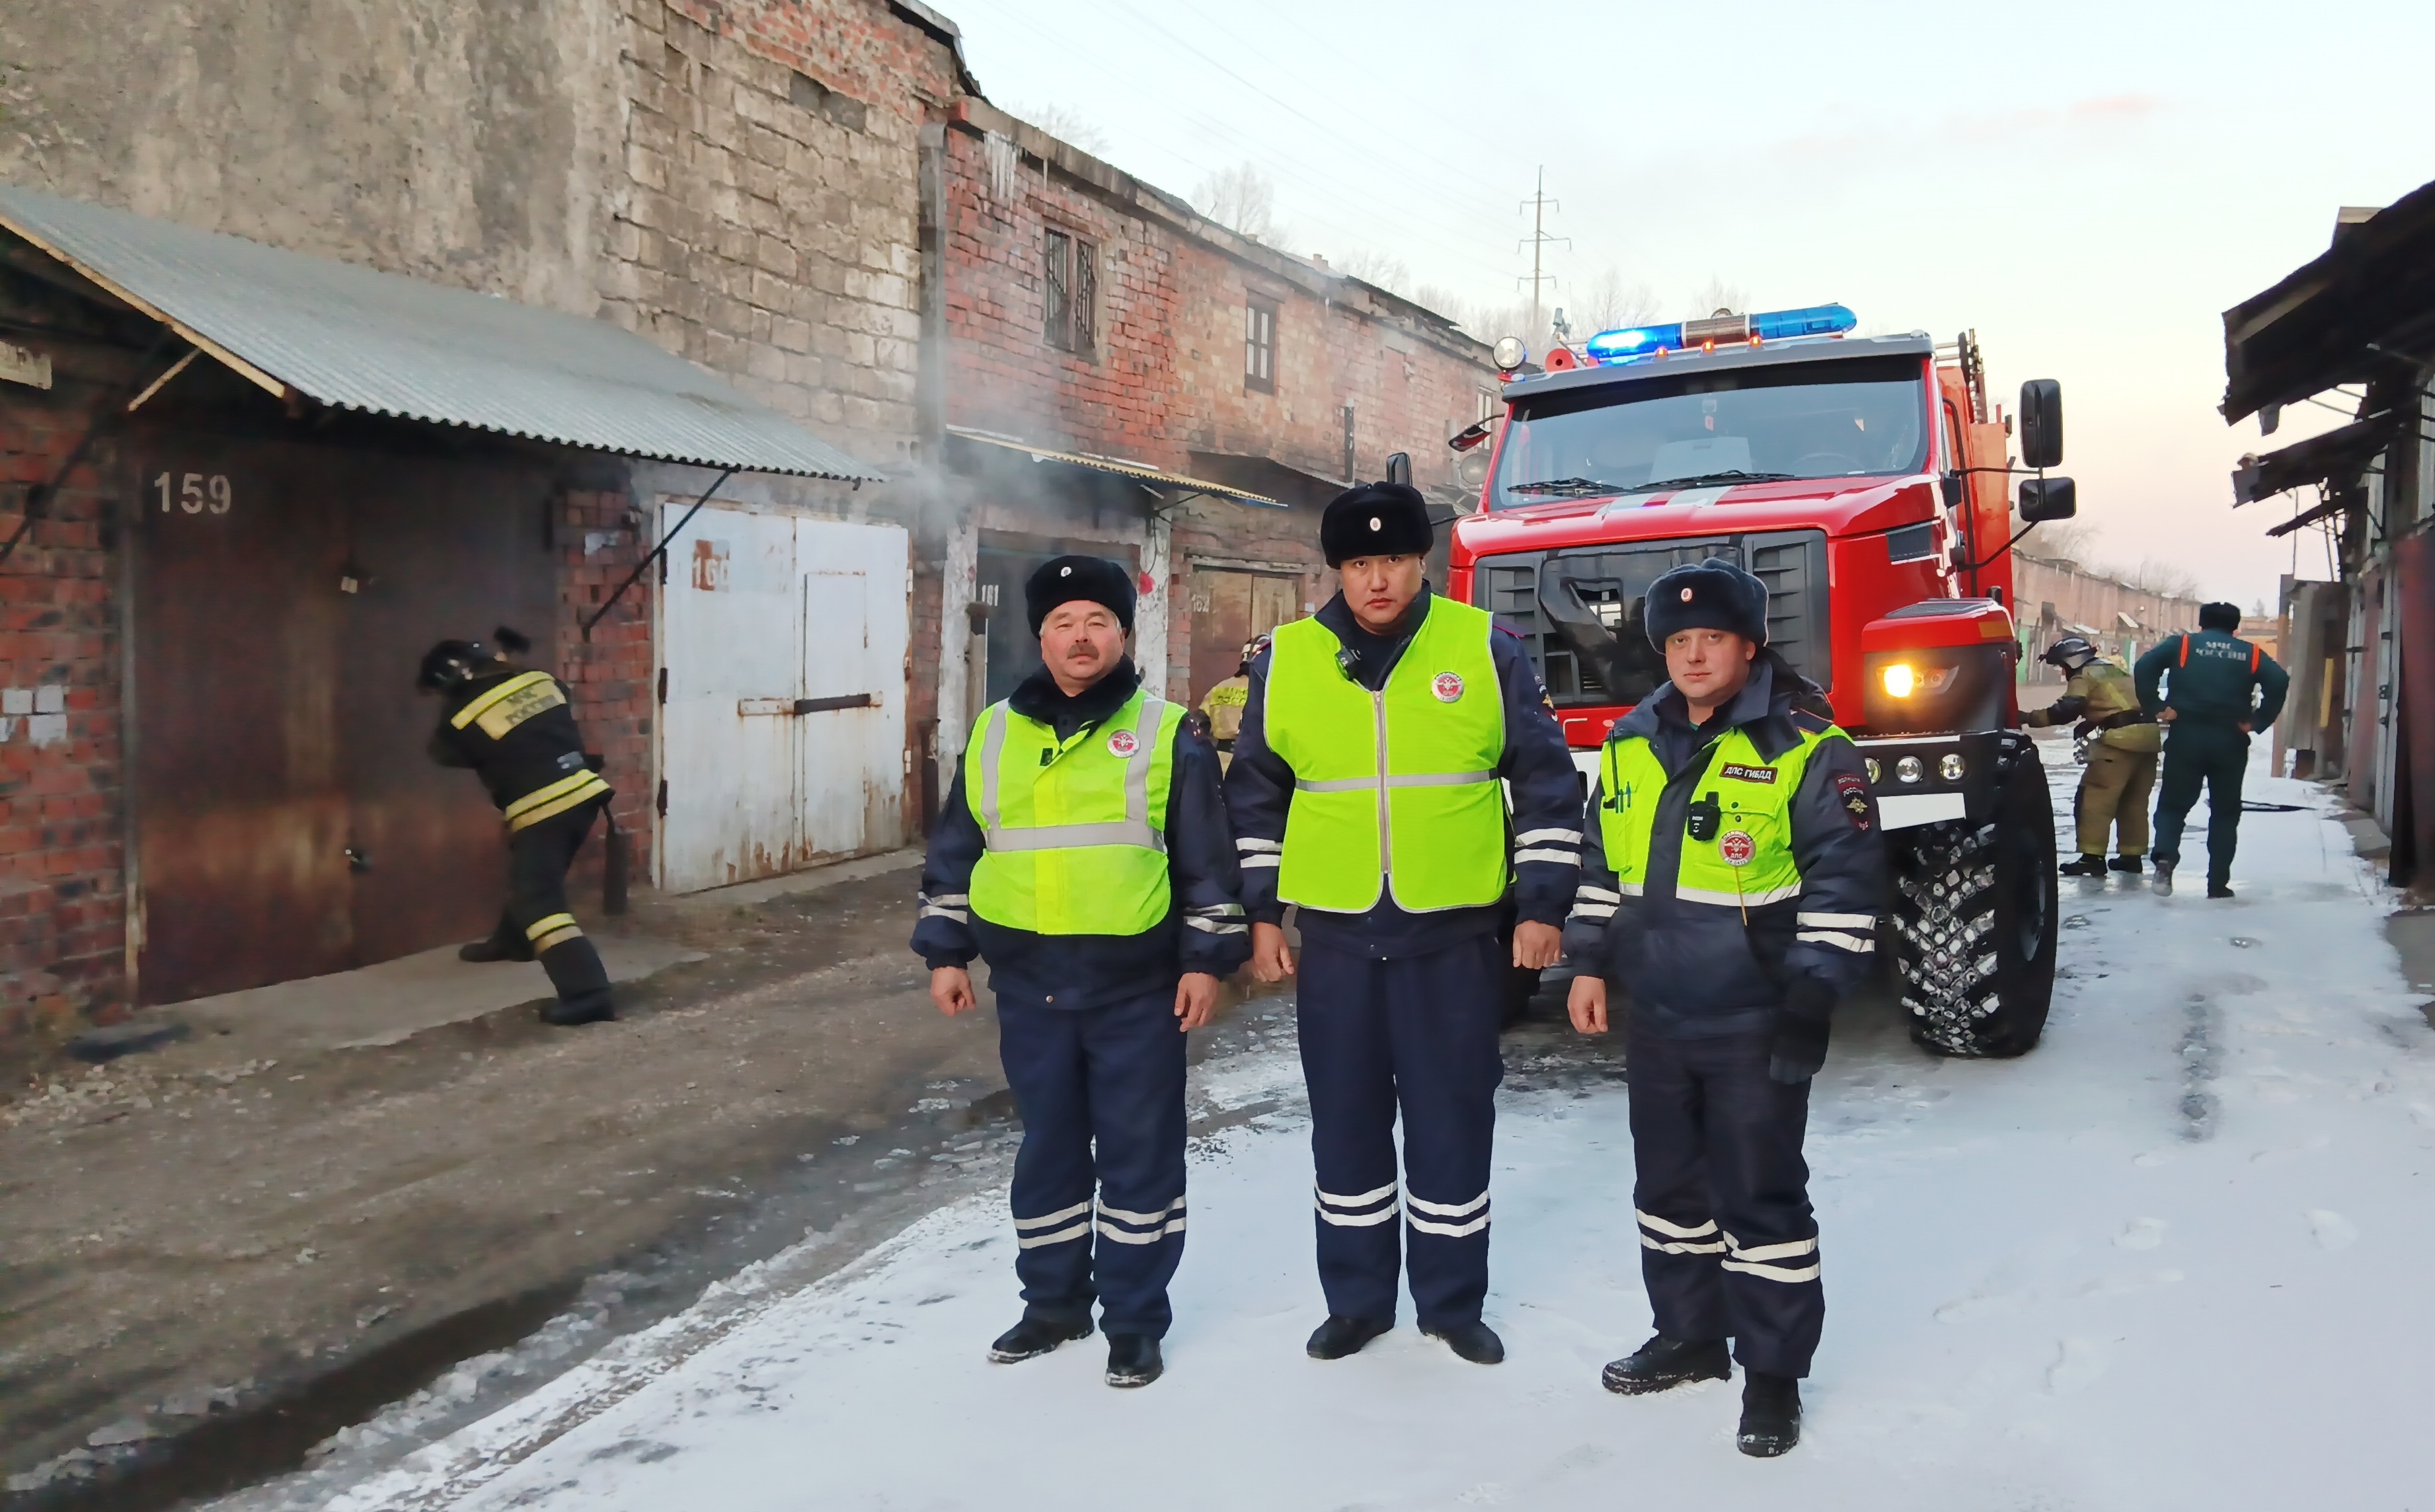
point(1260, 345)
point(1070, 300)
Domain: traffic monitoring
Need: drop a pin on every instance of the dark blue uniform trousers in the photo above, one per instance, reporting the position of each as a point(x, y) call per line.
point(1417, 1032)
point(1729, 1247)
point(1101, 1095)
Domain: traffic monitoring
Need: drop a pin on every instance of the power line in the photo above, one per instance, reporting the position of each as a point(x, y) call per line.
point(1537, 241)
point(1389, 215)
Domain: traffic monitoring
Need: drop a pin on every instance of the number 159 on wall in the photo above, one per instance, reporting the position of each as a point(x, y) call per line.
point(194, 493)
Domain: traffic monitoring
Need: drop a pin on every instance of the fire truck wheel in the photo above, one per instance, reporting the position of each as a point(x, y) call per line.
point(1975, 923)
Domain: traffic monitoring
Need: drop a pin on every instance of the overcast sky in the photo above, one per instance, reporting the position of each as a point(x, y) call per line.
point(2088, 185)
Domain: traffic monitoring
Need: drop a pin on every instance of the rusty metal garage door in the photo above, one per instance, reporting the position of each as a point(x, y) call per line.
point(287, 820)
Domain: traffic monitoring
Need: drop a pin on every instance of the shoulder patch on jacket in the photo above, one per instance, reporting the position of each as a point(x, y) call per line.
point(1852, 791)
point(1748, 774)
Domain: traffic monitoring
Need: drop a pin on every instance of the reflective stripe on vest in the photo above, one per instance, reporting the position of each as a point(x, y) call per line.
point(1749, 862)
point(1394, 791)
point(1074, 830)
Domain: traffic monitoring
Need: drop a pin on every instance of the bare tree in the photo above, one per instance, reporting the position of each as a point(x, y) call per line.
point(1606, 302)
point(1067, 125)
point(1718, 295)
point(2165, 579)
point(1241, 198)
point(2071, 541)
point(1388, 272)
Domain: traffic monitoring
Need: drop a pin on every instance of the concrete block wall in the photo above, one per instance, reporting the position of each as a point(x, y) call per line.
point(765, 221)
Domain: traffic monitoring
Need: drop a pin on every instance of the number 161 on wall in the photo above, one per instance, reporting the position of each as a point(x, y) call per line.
point(194, 493)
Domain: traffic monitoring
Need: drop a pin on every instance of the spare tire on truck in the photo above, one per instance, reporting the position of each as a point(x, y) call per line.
point(1974, 921)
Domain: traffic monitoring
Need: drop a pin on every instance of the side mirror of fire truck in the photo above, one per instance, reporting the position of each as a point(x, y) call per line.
point(2041, 424)
point(2044, 498)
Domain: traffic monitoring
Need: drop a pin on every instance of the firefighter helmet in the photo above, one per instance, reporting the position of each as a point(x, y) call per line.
point(2071, 653)
point(449, 663)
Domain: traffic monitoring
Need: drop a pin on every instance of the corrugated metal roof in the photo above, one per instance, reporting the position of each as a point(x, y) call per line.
point(1119, 467)
point(389, 345)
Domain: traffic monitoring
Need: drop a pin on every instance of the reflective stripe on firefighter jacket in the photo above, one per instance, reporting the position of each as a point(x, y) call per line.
point(1072, 828)
point(508, 730)
point(1395, 789)
point(1749, 862)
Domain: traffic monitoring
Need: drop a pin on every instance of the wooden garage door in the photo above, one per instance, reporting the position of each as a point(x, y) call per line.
point(1227, 609)
point(287, 820)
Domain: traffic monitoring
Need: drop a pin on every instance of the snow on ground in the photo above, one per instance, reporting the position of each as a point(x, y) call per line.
point(2176, 1258)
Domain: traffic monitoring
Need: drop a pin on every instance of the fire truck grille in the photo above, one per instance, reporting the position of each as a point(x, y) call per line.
point(1579, 609)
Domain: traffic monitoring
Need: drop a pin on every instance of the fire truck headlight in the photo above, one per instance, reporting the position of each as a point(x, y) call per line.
point(1908, 769)
point(1510, 353)
point(1901, 678)
point(1952, 767)
point(1876, 773)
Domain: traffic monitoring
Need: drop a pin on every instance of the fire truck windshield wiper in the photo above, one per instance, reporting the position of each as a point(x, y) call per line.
point(1567, 485)
point(1703, 480)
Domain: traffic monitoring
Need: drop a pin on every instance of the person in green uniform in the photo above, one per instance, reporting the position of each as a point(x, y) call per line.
point(2211, 690)
point(2121, 770)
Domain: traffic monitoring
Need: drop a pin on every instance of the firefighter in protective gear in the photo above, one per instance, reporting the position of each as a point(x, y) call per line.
point(1732, 876)
point(1368, 790)
point(515, 728)
point(2123, 740)
point(1222, 705)
point(1083, 851)
point(2210, 691)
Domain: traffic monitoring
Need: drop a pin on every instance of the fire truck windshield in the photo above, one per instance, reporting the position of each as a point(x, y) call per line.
point(1861, 417)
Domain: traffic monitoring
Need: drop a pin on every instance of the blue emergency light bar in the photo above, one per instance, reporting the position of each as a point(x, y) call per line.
point(1640, 342)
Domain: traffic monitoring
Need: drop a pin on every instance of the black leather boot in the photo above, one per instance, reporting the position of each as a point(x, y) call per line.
point(2129, 864)
point(1662, 1363)
point(495, 948)
point(1132, 1360)
point(2085, 867)
point(1474, 1341)
point(1341, 1336)
point(1035, 1335)
point(593, 1009)
point(1771, 1415)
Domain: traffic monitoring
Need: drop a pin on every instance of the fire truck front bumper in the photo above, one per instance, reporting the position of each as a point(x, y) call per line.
point(1930, 779)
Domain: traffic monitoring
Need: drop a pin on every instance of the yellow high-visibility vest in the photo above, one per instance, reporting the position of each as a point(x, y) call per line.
point(1394, 790)
point(1075, 830)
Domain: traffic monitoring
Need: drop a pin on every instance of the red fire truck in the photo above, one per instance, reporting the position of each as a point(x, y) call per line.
point(1867, 481)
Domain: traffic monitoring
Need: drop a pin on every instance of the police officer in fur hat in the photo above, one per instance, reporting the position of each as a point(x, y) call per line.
point(515, 728)
point(1368, 790)
point(1083, 851)
point(1731, 881)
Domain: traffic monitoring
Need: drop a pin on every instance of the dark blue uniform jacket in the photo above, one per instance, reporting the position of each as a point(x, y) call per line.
point(1696, 969)
point(1203, 929)
point(1545, 788)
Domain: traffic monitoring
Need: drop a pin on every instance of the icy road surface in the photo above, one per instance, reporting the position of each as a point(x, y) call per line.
point(2176, 1258)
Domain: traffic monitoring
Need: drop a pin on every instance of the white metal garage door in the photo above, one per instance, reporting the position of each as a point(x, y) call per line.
point(782, 737)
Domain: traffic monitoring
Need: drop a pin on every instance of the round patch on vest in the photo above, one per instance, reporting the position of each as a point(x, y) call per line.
point(1737, 848)
point(1447, 686)
point(1686, 595)
point(1122, 744)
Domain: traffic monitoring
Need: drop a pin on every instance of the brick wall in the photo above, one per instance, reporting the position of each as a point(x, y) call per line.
point(1167, 376)
point(613, 676)
point(1164, 384)
point(63, 925)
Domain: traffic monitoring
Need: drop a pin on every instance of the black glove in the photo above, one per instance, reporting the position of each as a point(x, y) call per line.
point(1797, 1048)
